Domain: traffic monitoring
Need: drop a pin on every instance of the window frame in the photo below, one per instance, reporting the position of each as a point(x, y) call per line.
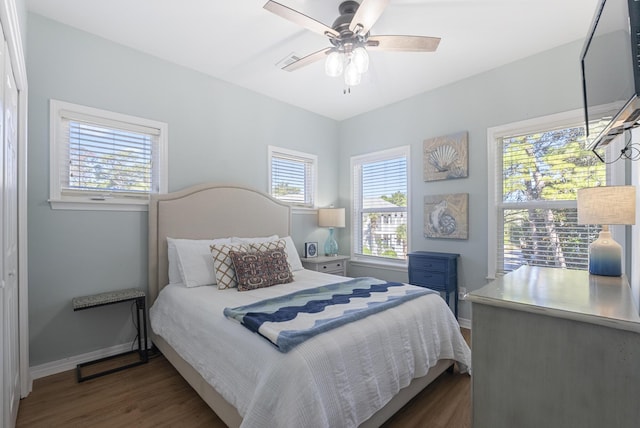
point(356, 205)
point(94, 200)
point(494, 196)
point(280, 152)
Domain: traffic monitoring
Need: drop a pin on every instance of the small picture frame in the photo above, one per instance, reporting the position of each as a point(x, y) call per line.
point(310, 249)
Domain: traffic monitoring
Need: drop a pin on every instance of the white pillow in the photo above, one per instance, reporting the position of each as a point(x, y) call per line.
point(174, 271)
point(194, 261)
point(255, 240)
point(292, 254)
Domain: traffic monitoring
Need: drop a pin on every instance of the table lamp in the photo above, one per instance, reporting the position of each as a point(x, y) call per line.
point(606, 205)
point(331, 217)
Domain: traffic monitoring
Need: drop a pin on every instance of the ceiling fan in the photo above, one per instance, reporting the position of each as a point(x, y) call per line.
point(350, 38)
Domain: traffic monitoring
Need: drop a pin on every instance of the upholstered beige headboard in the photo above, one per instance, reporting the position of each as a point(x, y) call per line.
point(208, 211)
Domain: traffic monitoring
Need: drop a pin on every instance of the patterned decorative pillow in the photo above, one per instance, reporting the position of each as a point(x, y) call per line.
point(259, 269)
point(223, 266)
point(272, 245)
point(268, 245)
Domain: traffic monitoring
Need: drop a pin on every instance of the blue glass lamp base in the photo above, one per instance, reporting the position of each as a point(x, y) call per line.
point(331, 246)
point(605, 256)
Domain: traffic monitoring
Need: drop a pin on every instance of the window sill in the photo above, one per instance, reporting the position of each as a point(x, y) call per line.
point(106, 205)
point(304, 210)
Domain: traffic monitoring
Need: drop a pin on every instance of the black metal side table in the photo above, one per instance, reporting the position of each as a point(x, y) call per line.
point(110, 298)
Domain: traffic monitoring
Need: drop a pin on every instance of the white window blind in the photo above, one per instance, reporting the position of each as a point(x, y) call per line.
point(537, 178)
point(380, 204)
point(101, 157)
point(107, 159)
point(292, 176)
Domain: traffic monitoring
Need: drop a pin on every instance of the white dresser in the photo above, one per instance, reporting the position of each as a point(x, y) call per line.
point(336, 265)
point(555, 348)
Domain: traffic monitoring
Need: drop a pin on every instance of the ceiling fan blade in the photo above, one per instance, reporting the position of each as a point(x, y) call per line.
point(403, 43)
point(300, 19)
point(367, 14)
point(306, 60)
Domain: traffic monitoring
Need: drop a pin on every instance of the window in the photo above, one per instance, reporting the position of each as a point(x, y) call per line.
point(104, 160)
point(535, 168)
point(292, 176)
point(380, 205)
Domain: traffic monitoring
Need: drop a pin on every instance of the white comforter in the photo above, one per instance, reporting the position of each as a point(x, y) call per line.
point(336, 379)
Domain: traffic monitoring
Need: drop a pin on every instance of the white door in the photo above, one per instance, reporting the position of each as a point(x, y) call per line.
point(4, 328)
point(4, 369)
point(10, 238)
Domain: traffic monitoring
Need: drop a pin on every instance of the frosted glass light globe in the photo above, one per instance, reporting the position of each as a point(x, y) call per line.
point(360, 58)
point(334, 64)
point(351, 75)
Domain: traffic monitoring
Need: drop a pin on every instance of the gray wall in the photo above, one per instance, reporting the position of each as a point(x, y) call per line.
point(536, 86)
point(217, 132)
point(21, 10)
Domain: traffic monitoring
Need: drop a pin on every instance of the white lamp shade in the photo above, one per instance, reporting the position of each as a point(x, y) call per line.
point(331, 217)
point(607, 205)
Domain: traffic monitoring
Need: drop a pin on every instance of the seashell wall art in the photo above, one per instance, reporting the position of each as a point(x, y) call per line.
point(446, 216)
point(446, 157)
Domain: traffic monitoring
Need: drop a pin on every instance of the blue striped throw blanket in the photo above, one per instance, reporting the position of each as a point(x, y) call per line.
point(289, 320)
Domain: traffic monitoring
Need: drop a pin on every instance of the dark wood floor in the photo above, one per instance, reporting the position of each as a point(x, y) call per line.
point(155, 395)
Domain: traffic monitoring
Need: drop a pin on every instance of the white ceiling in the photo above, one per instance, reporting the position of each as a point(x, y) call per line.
point(239, 42)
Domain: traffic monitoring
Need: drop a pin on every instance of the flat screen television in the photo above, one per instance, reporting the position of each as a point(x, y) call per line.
point(611, 71)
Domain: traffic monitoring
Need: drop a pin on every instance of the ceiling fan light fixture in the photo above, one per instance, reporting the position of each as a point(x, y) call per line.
point(360, 59)
point(351, 75)
point(350, 37)
point(334, 64)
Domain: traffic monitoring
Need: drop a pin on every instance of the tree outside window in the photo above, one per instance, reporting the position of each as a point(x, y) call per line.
point(541, 173)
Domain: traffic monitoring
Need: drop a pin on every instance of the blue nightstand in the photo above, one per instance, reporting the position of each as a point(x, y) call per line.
point(437, 271)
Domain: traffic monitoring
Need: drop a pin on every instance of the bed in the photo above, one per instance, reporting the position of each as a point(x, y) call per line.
point(358, 374)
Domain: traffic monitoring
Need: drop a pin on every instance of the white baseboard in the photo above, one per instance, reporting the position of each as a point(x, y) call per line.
point(464, 323)
point(70, 363)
